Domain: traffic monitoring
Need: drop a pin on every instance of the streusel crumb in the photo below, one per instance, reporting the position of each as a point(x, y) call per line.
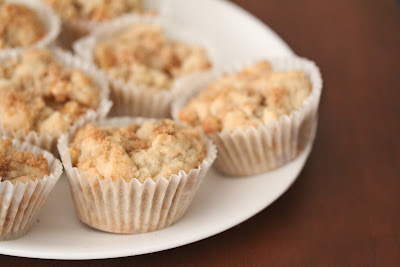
point(37, 93)
point(144, 56)
point(96, 10)
point(19, 26)
point(20, 166)
point(152, 150)
point(254, 96)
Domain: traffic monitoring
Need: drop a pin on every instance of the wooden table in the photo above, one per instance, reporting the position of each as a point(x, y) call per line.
point(345, 207)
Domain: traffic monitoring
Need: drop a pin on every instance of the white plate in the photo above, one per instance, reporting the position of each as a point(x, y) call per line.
point(221, 203)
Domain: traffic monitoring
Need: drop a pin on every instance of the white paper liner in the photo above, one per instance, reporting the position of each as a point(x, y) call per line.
point(50, 20)
point(254, 151)
point(48, 141)
point(74, 29)
point(20, 203)
point(132, 207)
point(133, 100)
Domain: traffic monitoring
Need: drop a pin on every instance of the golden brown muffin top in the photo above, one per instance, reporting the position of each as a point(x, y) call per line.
point(95, 10)
point(20, 166)
point(143, 55)
point(38, 93)
point(151, 150)
point(252, 97)
point(19, 26)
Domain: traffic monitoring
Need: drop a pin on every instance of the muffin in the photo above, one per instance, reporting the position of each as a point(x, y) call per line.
point(144, 56)
point(144, 59)
point(26, 24)
point(134, 175)
point(261, 116)
point(44, 93)
point(27, 175)
point(80, 17)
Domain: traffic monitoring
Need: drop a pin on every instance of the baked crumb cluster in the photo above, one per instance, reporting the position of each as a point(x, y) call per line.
point(19, 26)
point(252, 97)
point(144, 56)
point(37, 93)
point(20, 166)
point(96, 10)
point(151, 150)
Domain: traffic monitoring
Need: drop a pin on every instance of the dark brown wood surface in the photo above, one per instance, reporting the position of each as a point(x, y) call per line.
point(344, 209)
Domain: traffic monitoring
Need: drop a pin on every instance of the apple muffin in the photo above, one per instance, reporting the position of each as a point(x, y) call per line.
point(80, 17)
point(20, 26)
point(131, 175)
point(261, 116)
point(94, 10)
point(144, 56)
point(252, 97)
point(18, 166)
point(27, 176)
point(151, 150)
point(38, 93)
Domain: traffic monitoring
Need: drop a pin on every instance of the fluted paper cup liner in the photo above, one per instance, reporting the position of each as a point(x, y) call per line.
point(257, 150)
point(73, 29)
point(20, 203)
point(130, 99)
point(48, 141)
point(132, 207)
point(50, 21)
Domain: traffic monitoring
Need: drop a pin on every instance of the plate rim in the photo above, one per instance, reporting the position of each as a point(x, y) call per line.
point(174, 244)
point(261, 24)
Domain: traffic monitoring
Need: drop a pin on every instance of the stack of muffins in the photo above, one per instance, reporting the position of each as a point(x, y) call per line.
point(138, 171)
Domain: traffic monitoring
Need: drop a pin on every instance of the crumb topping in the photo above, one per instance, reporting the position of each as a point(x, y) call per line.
point(37, 93)
point(151, 150)
point(20, 166)
point(252, 97)
point(143, 55)
point(96, 10)
point(19, 26)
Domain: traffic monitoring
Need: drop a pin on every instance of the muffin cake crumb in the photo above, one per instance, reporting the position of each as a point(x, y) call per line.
point(99, 10)
point(143, 55)
point(19, 26)
point(151, 150)
point(252, 97)
point(37, 93)
point(20, 166)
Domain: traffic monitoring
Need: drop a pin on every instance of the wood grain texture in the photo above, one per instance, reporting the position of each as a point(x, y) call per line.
point(344, 209)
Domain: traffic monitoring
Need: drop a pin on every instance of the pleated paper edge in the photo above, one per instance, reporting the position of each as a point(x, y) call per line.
point(254, 151)
point(21, 202)
point(98, 201)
